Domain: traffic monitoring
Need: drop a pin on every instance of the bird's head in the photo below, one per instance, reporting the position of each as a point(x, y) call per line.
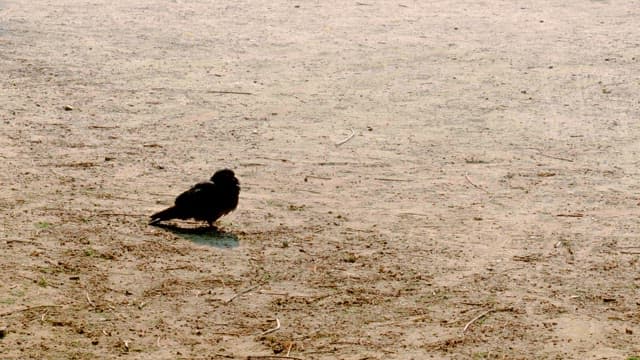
point(225, 176)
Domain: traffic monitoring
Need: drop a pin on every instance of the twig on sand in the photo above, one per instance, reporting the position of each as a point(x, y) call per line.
point(289, 348)
point(576, 215)
point(390, 179)
point(256, 357)
point(466, 327)
point(353, 133)
point(276, 293)
point(272, 329)
point(27, 309)
point(476, 319)
point(413, 214)
point(273, 159)
point(229, 92)
point(225, 355)
point(21, 241)
point(86, 294)
point(102, 127)
point(466, 176)
point(552, 156)
point(242, 293)
point(316, 177)
point(121, 214)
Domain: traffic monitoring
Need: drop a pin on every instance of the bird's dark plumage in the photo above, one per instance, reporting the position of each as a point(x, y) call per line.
point(205, 201)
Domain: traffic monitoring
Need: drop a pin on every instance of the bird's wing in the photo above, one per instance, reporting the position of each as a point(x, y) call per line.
point(199, 195)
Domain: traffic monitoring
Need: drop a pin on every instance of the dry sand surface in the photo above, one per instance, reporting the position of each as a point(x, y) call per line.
point(486, 205)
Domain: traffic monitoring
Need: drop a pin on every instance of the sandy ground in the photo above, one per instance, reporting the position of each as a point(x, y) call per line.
point(486, 206)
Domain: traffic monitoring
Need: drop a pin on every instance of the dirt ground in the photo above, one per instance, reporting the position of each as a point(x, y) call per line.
point(486, 206)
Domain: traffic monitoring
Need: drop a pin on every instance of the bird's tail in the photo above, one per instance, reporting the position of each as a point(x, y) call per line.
point(166, 214)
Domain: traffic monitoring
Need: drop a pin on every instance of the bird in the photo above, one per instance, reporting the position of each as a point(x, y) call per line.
point(205, 201)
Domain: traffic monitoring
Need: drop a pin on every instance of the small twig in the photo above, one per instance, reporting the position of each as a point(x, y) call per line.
point(242, 293)
point(21, 241)
point(272, 329)
point(471, 303)
point(273, 159)
point(289, 349)
point(466, 176)
point(316, 177)
point(483, 315)
point(252, 357)
point(576, 215)
point(27, 309)
point(224, 333)
point(102, 127)
point(630, 252)
point(178, 267)
point(121, 214)
point(225, 355)
point(510, 269)
point(389, 179)
point(413, 214)
point(267, 292)
point(333, 163)
point(476, 319)
point(551, 156)
point(229, 92)
point(86, 294)
point(554, 157)
point(353, 133)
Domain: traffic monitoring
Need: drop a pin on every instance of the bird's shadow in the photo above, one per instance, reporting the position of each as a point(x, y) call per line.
point(204, 235)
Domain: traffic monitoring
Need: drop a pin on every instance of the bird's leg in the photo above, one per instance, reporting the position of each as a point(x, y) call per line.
point(212, 226)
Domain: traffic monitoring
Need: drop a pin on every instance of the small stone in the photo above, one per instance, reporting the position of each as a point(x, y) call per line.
point(68, 108)
point(3, 332)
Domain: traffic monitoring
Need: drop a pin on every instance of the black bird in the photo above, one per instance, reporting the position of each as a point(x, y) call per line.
point(206, 201)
